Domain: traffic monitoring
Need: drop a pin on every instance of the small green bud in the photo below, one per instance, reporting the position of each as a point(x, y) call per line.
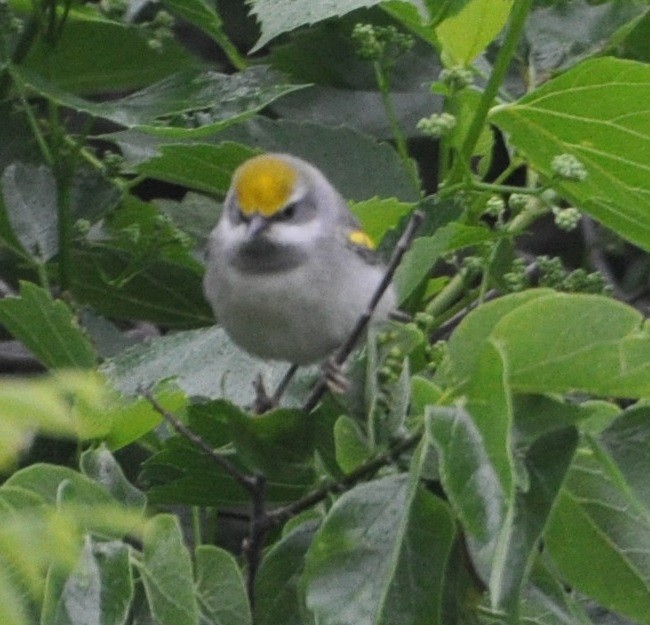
point(131, 233)
point(566, 218)
point(369, 48)
point(82, 227)
point(155, 44)
point(568, 167)
point(456, 78)
point(495, 206)
point(437, 125)
point(163, 18)
point(518, 201)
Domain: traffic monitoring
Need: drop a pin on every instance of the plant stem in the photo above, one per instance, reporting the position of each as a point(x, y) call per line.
point(398, 136)
point(518, 16)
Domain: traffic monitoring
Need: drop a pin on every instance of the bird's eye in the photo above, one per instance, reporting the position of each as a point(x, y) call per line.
point(288, 212)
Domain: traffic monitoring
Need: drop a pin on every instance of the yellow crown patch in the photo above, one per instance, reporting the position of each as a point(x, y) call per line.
point(264, 185)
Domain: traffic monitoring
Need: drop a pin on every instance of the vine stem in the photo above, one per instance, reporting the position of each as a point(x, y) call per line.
point(518, 16)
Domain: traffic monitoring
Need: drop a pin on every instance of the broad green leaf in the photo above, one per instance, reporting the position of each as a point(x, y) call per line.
point(30, 200)
point(468, 340)
point(280, 17)
point(476, 460)
point(278, 444)
point(545, 601)
point(181, 473)
point(627, 441)
point(123, 61)
point(464, 35)
point(220, 588)
point(202, 14)
point(352, 448)
point(599, 532)
point(203, 363)
point(100, 465)
point(413, 18)
point(158, 290)
point(277, 586)
point(581, 342)
point(195, 215)
point(198, 166)
point(323, 146)
point(426, 251)
point(98, 591)
point(166, 570)
point(218, 100)
point(546, 463)
point(636, 43)
point(599, 112)
point(47, 328)
point(390, 527)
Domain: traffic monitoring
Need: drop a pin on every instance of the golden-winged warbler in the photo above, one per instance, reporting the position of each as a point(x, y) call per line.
point(288, 269)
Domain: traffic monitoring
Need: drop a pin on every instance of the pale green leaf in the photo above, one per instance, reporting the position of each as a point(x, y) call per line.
point(599, 112)
point(30, 200)
point(47, 328)
point(220, 588)
point(166, 571)
point(465, 34)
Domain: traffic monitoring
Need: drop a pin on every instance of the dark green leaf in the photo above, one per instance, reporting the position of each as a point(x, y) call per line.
point(166, 571)
point(277, 587)
point(352, 448)
point(123, 61)
point(31, 204)
point(47, 328)
point(599, 532)
point(360, 565)
point(546, 463)
point(198, 166)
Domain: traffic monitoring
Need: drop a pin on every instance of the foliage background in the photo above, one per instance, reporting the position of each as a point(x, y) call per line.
point(491, 461)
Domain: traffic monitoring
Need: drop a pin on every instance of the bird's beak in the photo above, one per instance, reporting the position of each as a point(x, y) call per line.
point(256, 226)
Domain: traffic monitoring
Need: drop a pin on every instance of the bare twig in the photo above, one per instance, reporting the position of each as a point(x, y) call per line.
point(345, 350)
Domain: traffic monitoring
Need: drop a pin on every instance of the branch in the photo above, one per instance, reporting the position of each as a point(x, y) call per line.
point(345, 350)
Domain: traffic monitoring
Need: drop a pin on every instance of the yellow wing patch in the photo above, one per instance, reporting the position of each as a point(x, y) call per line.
point(264, 185)
point(360, 238)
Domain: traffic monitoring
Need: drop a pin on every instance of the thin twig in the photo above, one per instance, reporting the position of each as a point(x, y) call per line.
point(281, 515)
point(345, 350)
point(246, 481)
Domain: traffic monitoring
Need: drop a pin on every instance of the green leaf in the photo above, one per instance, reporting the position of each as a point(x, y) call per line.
point(31, 204)
point(277, 586)
point(100, 466)
point(47, 328)
point(464, 35)
point(426, 251)
point(99, 590)
point(166, 571)
point(627, 441)
point(581, 342)
point(203, 363)
point(378, 215)
point(198, 166)
point(123, 61)
point(159, 290)
point(280, 17)
point(599, 112)
point(599, 532)
point(219, 99)
point(352, 448)
point(203, 15)
point(220, 588)
point(323, 146)
point(390, 527)
point(546, 463)
point(476, 460)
